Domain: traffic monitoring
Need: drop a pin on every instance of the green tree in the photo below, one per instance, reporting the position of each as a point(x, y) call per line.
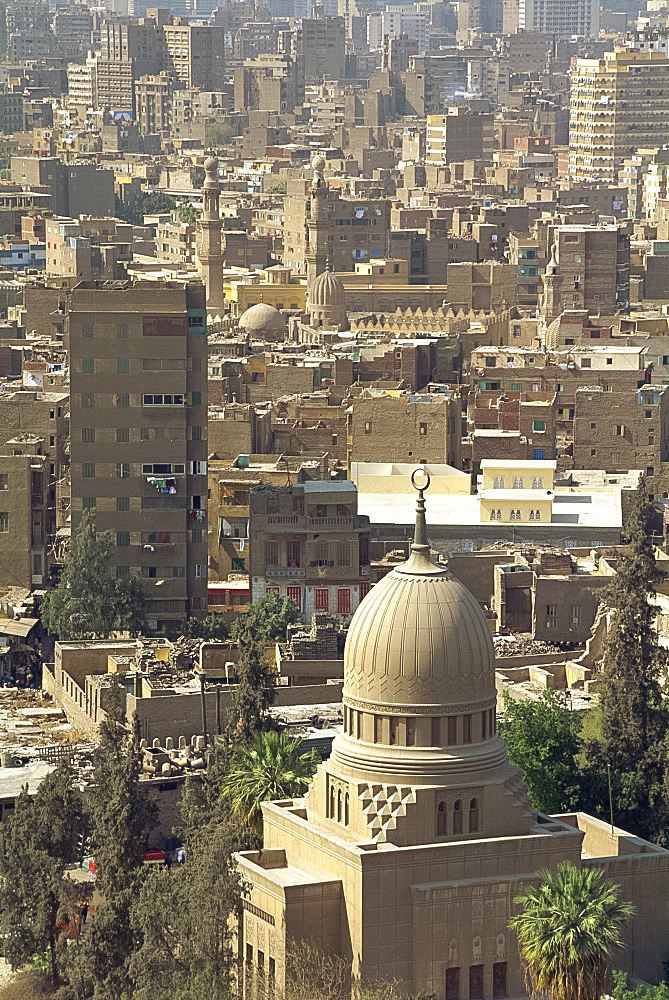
point(121, 815)
point(212, 626)
point(271, 766)
point(621, 990)
point(633, 719)
point(41, 839)
point(146, 203)
point(187, 213)
point(267, 619)
point(254, 693)
point(568, 927)
point(543, 739)
point(219, 136)
point(278, 188)
point(182, 917)
point(88, 602)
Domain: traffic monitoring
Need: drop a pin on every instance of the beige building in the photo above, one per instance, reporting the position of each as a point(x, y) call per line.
point(516, 491)
point(23, 517)
point(427, 429)
point(417, 834)
point(459, 135)
point(138, 425)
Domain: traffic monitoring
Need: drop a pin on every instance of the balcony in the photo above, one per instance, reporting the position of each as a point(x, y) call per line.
point(276, 520)
point(285, 572)
point(331, 522)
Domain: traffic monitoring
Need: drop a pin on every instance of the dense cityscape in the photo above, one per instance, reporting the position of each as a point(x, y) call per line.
point(334, 500)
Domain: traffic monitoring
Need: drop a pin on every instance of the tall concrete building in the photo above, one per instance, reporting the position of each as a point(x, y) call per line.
point(459, 135)
point(560, 18)
point(138, 425)
point(321, 43)
point(618, 104)
point(417, 833)
point(194, 54)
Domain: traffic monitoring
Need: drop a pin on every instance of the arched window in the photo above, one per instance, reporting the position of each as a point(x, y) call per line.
point(518, 483)
point(457, 817)
point(339, 806)
point(531, 515)
point(537, 482)
point(346, 810)
point(332, 803)
point(537, 515)
point(498, 483)
point(474, 816)
point(441, 820)
point(493, 515)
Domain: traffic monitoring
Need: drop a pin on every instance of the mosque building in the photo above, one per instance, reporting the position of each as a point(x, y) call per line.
point(417, 834)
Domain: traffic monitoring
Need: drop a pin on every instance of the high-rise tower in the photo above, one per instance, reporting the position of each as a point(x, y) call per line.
point(209, 251)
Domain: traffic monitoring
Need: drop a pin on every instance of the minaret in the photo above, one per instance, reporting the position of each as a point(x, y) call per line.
point(550, 305)
point(209, 254)
point(318, 249)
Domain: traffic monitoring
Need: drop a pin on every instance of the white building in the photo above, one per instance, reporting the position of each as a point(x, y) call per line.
point(560, 18)
point(398, 19)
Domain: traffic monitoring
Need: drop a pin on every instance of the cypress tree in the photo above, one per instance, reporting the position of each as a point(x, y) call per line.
point(255, 691)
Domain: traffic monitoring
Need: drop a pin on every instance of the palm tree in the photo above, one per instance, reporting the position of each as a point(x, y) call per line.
point(271, 766)
point(568, 928)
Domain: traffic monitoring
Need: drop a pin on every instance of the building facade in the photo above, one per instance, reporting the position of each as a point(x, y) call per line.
point(138, 428)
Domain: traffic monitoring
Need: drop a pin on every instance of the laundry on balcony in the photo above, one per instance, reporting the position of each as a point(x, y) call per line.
point(197, 514)
point(167, 485)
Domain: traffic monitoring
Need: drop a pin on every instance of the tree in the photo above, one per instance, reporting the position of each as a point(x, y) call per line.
point(187, 213)
point(568, 927)
point(218, 136)
point(633, 718)
point(88, 602)
point(146, 203)
point(621, 990)
point(41, 839)
point(267, 619)
point(120, 815)
point(182, 917)
point(254, 693)
point(279, 188)
point(543, 738)
point(271, 766)
point(212, 626)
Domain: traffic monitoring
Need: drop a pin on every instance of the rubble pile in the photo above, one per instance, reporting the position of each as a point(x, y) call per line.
point(521, 646)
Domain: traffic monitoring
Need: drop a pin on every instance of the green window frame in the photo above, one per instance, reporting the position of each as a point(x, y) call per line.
point(123, 503)
point(88, 470)
point(122, 538)
point(87, 503)
point(88, 366)
point(122, 366)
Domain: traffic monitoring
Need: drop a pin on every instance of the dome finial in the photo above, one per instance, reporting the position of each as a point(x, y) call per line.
point(420, 542)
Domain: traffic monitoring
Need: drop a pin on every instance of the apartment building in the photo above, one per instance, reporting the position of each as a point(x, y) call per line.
point(309, 544)
point(592, 268)
point(621, 430)
point(87, 249)
point(24, 501)
point(320, 42)
point(153, 103)
point(618, 104)
point(194, 54)
point(358, 228)
point(511, 491)
point(459, 135)
point(175, 243)
point(560, 18)
point(420, 429)
point(138, 427)
point(270, 82)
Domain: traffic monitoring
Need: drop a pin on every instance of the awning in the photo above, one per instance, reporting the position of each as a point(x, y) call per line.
point(13, 626)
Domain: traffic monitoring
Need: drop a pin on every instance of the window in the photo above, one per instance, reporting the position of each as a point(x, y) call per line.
point(452, 984)
point(518, 483)
point(122, 538)
point(163, 399)
point(441, 820)
point(411, 733)
point(649, 413)
point(122, 572)
point(88, 366)
point(474, 816)
point(178, 572)
point(200, 571)
point(344, 554)
point(586, 363)
point(466, 728)
point(499, 980)
point(87, 400)
point(496, 514)
point(475, 982)
point(4, 521)
point(122, 503)
point(452, 728)
point(87, 330)
point(344, 601)
point(295, 595)
point(620, 430)
point(122, 434)
point(123, 400)
point(4, 484)
point(122, 366)
point(514, 515)
point(539, 426)
point(88, 434)
point(88, 503)
point(609, 361)
point(535, 515)
point(436, 732)
point(490, 361)
point(238, 564)
point(393, 732)
point(537, 482)
point(551, 615)
point(122, 331)
point(368, 427)
point(498, 483)
point(457, 817)
point(516, 387)
point(88, 470)
point(123, 470)
point(272, 963)
point(249, 954)
point(196, 433)
point(196, 535)
point(196, 398)
point(423, 429)
point(271, 553)
point(321, 600)
point(293, 553)
point(576, 615)
point(261, 960)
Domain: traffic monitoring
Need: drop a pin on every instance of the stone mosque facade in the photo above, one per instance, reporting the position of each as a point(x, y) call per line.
point(417, 833)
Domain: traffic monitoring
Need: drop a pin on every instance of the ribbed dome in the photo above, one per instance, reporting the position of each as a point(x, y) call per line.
point(419, 639)
point(263, 319)
point(327, 290)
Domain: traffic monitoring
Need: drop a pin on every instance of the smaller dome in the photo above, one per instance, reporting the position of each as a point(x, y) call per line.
point(318, 163)
point(327, 290)
point(262, 319)
point(211, 165)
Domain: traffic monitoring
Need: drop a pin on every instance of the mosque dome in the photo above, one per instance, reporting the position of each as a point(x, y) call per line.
point(420, 641)
point(327, 290)
point(263, 320)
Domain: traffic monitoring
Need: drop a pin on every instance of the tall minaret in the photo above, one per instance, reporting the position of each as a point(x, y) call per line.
point(209, 254)
point(550, 305)
point(317, 255)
